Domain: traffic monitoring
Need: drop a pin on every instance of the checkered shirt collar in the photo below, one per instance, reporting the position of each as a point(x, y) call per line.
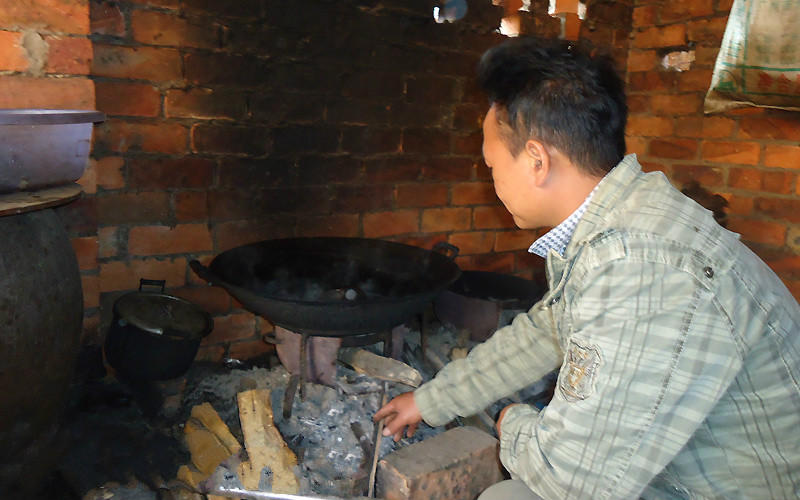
point(558, 237)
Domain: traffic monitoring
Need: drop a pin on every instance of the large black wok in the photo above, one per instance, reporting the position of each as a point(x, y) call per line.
point(331, 286)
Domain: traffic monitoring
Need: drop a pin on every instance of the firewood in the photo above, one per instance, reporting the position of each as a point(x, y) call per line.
point(265, 445)
point(374, 365)
point(208, 438)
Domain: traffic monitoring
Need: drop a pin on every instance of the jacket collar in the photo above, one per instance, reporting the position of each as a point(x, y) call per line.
point(609, 192)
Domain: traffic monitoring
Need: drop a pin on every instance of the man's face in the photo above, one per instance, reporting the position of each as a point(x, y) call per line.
point(513, 179)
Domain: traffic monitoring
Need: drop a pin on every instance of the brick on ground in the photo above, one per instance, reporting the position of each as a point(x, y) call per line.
point(457, 464)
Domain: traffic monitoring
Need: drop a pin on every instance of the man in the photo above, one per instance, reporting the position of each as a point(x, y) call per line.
point(678, 348)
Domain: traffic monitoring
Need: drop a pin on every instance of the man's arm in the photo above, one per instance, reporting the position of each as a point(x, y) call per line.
point(650, 354)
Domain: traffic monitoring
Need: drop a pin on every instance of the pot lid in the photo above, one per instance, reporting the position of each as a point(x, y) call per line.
point(163, 315)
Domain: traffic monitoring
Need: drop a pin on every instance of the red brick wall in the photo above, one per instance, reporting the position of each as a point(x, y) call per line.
point(233, 122)
point(750, 156)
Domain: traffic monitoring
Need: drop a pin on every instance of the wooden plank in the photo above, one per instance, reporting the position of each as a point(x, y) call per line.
point(369, 363)
point(28, 201)
point(265, 445)
point(209, 440)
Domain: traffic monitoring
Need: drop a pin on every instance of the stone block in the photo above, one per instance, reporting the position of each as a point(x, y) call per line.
point(457, 464)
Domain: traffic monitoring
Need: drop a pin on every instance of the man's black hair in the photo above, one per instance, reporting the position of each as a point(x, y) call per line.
point(557, 92)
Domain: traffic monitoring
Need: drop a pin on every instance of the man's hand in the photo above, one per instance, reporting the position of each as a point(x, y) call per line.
point(500, 418)
point(398, 413)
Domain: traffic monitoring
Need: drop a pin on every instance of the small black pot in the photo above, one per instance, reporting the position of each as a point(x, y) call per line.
point(154, 336)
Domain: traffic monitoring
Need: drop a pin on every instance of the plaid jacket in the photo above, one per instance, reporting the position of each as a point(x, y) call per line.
point(679, 356)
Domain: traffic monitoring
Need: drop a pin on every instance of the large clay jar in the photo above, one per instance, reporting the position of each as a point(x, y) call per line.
point(41, 311)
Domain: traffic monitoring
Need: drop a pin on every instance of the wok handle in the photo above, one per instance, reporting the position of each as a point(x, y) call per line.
point(202, 271)
point(148, 282)
point(447, 249)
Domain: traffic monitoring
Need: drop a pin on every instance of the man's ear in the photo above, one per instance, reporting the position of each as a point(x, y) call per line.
point(540, 160)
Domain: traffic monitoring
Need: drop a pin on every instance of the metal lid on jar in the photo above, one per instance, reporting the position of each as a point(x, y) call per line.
point(163, 315)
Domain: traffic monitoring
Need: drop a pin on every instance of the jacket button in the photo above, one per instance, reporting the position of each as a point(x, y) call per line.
point(553, 301)
point(708, 272)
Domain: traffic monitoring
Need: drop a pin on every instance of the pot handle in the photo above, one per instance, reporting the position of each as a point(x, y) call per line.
point(447, 249)
point(202, 271)
point(147, 282)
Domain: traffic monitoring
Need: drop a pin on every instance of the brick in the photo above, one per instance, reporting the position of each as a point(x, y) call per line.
point(784, 127)
point(676, 149)
point(638, 104)
point(86, 251)
point(108, 242)
point(408, 115)
point(695, 80)
point(473, 193)
point(68, 55)
point(750, 179)
point(46, 93)
point(133, 208)
point(642, 60)
point(128, 99)
point(507, 241)
point(744, 153)
point(426, 141)
point(329, 225)
point(492, 218)
point(373, 84)
point(270, 172)
point(167, 4)
point(354, 112)
point(671, 12)
point(778, 182)
point(360, 141)
point(56, 16)
point(393, 170)
point(361, 198)
point(381, 224)
point(213, 299)
point(676, 104)
point(432, 89)
point(169, 29)
point(474, 242)
point(779, 208)
point(211, 68)
point(106, 19)
point(420, 195)
point(468, 144)
point(124, 275)
point(653, 81)
point(645, 15)
point(446, 219)
point(459, 463)
point(88, 181)
point(660, 36)
point(166, 173)
point(138, 63)
point(249, 349)
point(205, 103)
point(109, 172)
point(232, 327)
point(155, 137)
point(90, 284)
point(707, 30)
point(739, 205)
point(636, 145)
point(707, 176)
point(448, 169)
point(231, 234)
point(707, 127)
point(768, 233)
point(236, 204)
point(495, 262)
point(163, 240)
point(12, 55)
point(304, 138)
point(650, 126)
point(191, 206)
point(782, 156)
